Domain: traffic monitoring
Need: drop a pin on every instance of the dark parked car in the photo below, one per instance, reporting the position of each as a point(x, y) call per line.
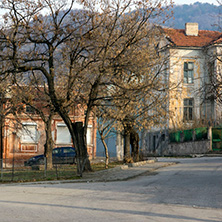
point(60, 155)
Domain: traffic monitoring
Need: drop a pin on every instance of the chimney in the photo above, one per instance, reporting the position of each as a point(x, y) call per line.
point(191, 29)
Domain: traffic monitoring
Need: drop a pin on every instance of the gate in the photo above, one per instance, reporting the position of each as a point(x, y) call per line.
point(217, 139)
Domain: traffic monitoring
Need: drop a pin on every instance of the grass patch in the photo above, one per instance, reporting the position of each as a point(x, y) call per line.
point(101, 166)
point(59, 172)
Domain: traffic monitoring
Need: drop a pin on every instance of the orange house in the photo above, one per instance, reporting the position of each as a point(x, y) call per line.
point(24, 136)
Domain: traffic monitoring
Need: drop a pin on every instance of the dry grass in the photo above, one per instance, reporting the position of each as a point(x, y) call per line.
point(59, 172)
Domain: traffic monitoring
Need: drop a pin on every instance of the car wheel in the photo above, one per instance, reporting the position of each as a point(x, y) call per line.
point(41, 161)
point(72, 161)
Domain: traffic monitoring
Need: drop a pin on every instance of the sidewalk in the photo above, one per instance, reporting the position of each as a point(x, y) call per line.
point(124, 172)
point(121, 173)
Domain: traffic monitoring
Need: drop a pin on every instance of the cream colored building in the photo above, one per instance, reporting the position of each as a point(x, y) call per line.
point(192, 59)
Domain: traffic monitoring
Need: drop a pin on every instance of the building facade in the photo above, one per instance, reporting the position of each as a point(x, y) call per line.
point(193, 62)
point(24, 134)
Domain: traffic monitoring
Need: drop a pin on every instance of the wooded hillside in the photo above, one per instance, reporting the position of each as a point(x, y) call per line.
point(207, 15)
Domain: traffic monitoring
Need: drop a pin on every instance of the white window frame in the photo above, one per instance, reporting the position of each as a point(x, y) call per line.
point(58, 136)
point(29, 151)
point(188, 73)
point(89, 135)
point(27, 136)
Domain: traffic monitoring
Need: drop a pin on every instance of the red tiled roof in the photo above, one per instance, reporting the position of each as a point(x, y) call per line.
point(204, 38)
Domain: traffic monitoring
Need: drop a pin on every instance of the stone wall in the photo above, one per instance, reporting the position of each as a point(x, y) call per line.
point(187, 148)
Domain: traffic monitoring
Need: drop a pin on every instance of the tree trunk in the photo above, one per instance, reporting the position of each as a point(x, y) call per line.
point(83, 163)
point(49, 143)
point(134, 141)
point(127, 156)
point(106, 152)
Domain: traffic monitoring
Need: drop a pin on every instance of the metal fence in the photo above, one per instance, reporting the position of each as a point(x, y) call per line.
point(13, 170)
point(189, 135)
point(217, 139)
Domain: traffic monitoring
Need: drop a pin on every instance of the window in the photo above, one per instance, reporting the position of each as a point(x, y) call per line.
point(188, 72)
point(63, 135)
point(89, 135)
point(57, 151)
point(29, 133)
point(68, 150)
point(154, 142)
point(188, 106)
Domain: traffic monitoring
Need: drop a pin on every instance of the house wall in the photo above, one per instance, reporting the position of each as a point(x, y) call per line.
point(211, 54)
point(206, 112)
point(115, 144)
point(111, 144)
point(155, 141)
point(218, 64)
point(183, 90)
point(19, 150)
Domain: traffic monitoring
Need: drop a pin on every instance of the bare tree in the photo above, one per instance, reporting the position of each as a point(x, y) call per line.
point(9, 107)
point(5, 110)
point(105, 126)
point(36, 99)
point(144, 91)
point(82, 53)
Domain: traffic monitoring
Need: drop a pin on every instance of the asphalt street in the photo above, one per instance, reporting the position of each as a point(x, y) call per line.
point(187, 191)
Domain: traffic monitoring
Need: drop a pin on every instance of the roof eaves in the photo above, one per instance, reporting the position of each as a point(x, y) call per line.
point(213, 42)
point(170, 40)
point(187, 47)
point(213, 45)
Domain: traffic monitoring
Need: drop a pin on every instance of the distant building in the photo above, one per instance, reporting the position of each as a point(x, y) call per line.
point(192, 59)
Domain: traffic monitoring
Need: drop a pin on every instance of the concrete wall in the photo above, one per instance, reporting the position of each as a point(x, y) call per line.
point(162, 145)
point(188, 148)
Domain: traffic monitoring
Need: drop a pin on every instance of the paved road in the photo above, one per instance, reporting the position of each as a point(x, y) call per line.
point(188, 191)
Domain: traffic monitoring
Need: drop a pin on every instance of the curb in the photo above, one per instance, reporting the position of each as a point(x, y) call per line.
point(141, 163)
point(213, 155)
point(112, 179)
point(126, 166)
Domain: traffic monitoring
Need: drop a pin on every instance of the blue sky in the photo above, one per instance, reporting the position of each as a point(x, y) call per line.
point(179, 2)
